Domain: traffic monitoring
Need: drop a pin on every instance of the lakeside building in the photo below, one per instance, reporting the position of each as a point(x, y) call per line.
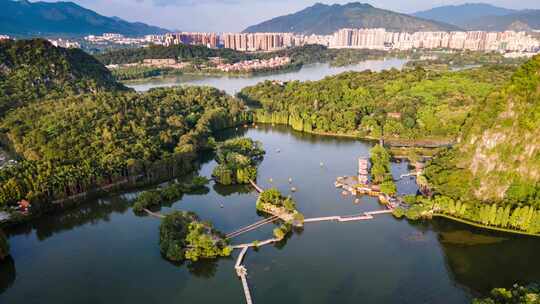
point(255, 65)
point(4, 37)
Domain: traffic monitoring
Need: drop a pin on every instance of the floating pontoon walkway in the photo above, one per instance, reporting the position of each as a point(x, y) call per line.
point(348, 218)
point(259, 189)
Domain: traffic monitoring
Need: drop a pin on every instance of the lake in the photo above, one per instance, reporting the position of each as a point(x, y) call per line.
point(103, 253)
point(233, 84)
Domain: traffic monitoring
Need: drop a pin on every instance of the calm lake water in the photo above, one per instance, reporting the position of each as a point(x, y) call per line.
point(103, 253)
point(233, 84)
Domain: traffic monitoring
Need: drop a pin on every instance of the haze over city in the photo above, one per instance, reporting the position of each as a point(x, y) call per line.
point(236, 15)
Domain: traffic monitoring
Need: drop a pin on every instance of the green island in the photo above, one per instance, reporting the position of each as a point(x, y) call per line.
point(182, 236)
point(172, 192)
point(237, 160)
point(517, 294)
point(271, 201)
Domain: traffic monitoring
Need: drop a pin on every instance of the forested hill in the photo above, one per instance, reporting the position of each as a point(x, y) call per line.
point(326, 19)
point(498, 159)
point(25, 18)
point(32, 69)
point(180, 52)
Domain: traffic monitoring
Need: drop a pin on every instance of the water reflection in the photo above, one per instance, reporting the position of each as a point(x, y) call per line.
point(482, 260)
point(7, 274)
point(86, 213)
point(231, 189)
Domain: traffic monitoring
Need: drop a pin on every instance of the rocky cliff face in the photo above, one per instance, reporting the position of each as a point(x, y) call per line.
point(498, 158)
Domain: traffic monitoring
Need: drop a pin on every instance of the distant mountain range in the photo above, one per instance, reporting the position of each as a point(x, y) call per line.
point(326, 19)
point(24, 18)
point(481, 16)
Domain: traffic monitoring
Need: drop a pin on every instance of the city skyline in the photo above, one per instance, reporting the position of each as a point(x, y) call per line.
point(207, 15)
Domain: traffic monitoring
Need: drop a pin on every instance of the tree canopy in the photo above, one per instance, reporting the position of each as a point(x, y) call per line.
point(237, 160)
point(408, 105)
point(182, 236)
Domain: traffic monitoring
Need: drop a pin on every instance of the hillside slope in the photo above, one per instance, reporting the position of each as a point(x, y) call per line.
point(461, 14)
point(498, 158)
point(31, 69)
point(24, 18)
point(326, 19)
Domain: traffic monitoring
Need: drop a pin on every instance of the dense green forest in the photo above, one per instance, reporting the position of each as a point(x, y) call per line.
point(237, 160)
point(410, 104)
point(182, 236)
point(33, 69)
point(83, 142)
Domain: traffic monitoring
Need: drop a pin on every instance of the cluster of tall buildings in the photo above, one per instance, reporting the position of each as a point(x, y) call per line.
point(259, 41)
point(210, 40)
point(369, 38)
point(472, 40)
point(269, 41)
point(239, 41)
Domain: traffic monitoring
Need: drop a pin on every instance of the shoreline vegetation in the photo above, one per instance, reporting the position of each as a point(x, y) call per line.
point(137, 74)
point(410, 107)
point(170, 193)
point(516, 294)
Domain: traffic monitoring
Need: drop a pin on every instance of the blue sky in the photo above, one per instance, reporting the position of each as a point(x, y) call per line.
point(235, 15)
